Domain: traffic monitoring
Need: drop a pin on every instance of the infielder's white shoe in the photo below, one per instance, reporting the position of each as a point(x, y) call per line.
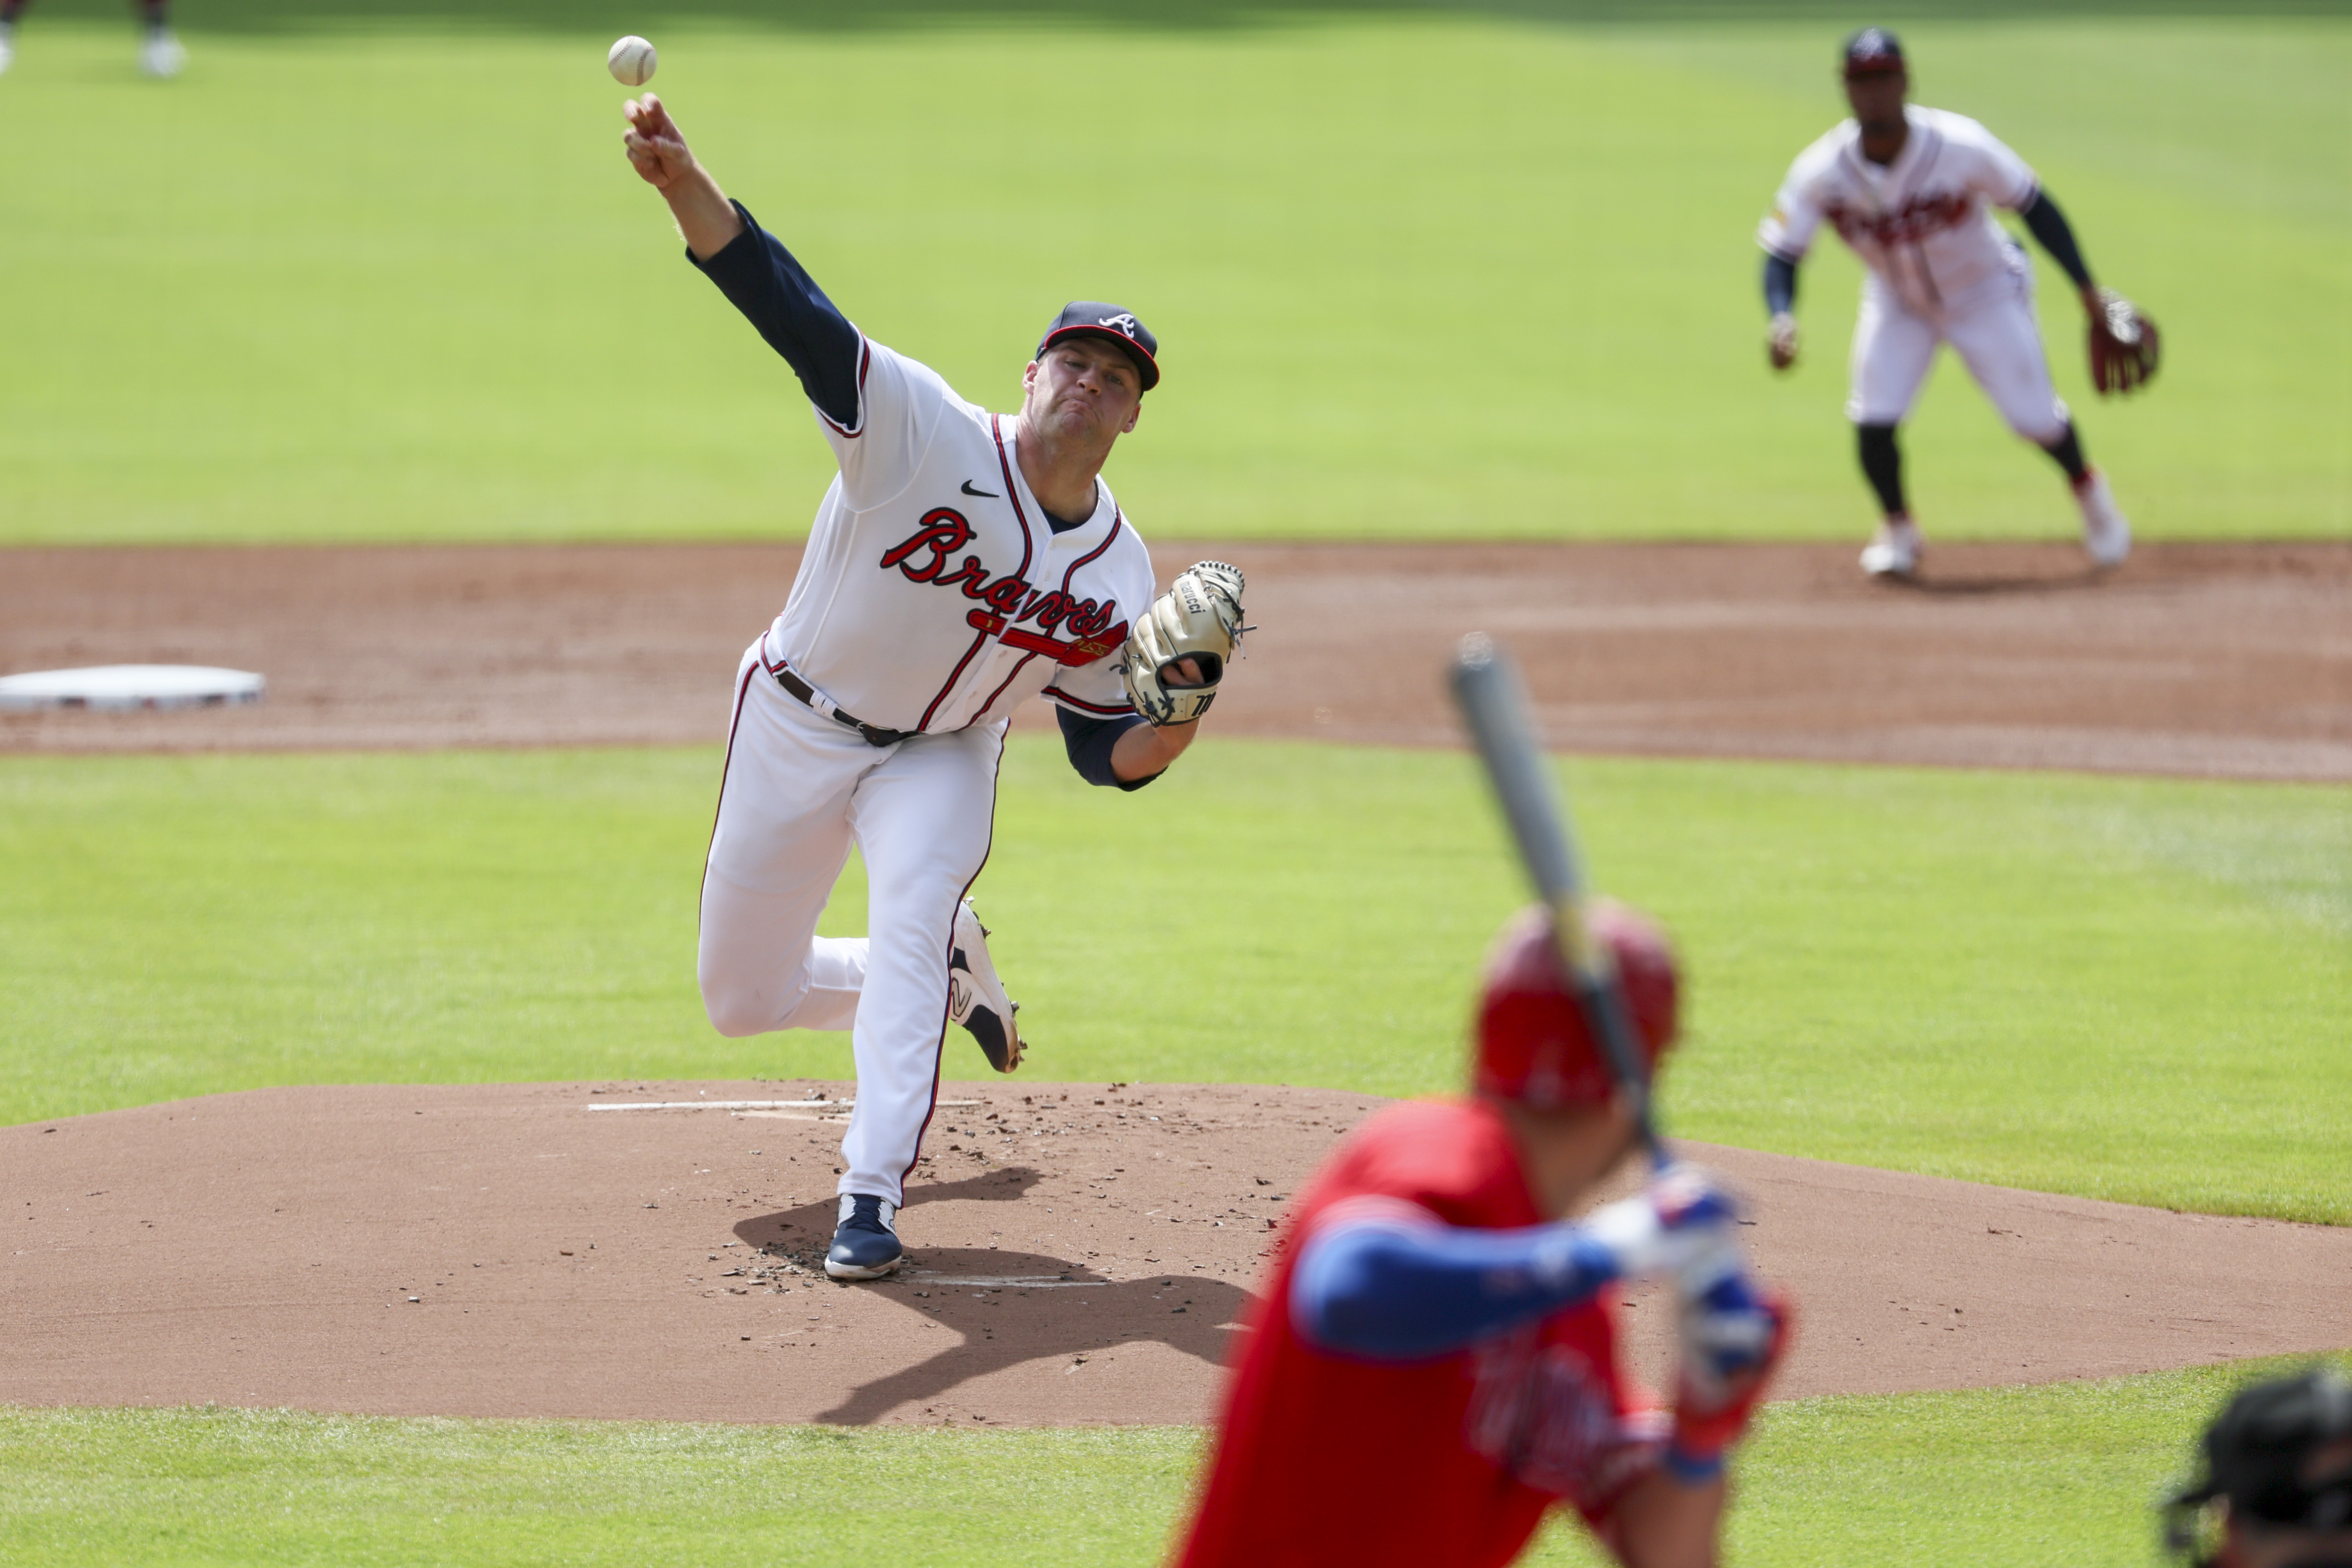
point(160, 54)
point(2106, 533)
point(976, 997)
point(1894, 550)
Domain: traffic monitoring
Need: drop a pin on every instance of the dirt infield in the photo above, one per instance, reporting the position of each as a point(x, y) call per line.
point(1080, 1253)
point(2225, 660)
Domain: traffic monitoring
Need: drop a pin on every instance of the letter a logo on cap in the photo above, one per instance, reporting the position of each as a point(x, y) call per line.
point(1122, 323)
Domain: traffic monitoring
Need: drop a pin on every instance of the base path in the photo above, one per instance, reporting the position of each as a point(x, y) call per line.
point(2230, 661)
point(1079, 1253)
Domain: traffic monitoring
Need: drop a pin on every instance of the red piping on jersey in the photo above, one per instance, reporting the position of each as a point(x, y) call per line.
point(1920, 246)
point(1028, 549)
point(1117, 521)
point(998, 691)
point(988, 624)
point(1012, 494)
point(953, 676)
point(865, 361)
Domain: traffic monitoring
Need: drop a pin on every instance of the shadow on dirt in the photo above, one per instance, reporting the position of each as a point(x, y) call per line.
point(1007, 1307)
point(1997, 584)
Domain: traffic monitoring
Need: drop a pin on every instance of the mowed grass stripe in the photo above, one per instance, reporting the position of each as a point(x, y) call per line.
point(2129, 989)
point(2059, 1475)
point(1414, 275)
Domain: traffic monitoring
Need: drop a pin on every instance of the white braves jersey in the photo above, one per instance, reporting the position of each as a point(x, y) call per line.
point(933, 593)
point(1923, 224)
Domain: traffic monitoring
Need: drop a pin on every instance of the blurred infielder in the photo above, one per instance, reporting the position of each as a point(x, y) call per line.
point(1434, 1364)
point(960, 563)
point(1910, 190)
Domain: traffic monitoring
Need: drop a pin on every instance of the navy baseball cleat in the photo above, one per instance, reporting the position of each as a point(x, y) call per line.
point(865, 1247)
point(976, 997)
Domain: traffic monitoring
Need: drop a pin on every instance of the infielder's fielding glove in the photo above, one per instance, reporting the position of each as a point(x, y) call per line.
point(1200, 618)
point(2125, 346)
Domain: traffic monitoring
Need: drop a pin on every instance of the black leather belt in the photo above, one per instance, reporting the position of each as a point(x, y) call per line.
point(802, 690)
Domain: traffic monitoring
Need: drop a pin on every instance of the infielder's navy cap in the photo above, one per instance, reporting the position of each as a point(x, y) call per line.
point(1873, 51)
point(1094, 319)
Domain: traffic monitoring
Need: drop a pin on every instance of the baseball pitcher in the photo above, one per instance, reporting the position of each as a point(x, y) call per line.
point(1910, 190)
point(960, 563)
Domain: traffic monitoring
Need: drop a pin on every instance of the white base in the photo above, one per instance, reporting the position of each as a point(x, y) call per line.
point(129, 686)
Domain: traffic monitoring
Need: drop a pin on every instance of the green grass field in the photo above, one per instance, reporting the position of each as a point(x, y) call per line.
point(373, 269)
point(2126, 988)
point(1418, 273)
point(2062, 1476)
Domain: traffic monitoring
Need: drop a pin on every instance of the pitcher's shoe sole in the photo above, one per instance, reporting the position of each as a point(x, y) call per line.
point(976, 999)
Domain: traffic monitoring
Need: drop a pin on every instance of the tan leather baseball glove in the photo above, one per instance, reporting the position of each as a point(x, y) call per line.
point(1200, 618)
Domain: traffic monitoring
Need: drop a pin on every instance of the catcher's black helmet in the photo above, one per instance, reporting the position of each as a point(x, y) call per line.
point(2281, 1454)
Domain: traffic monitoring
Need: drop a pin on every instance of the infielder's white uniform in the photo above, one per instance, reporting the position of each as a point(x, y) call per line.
point(933, 597)
point(1941, 269)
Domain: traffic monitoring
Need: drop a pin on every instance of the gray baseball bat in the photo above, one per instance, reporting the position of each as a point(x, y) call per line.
point(1494, 705)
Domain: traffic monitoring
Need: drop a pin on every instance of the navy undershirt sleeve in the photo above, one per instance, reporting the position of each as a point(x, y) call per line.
point(1780, 283)
point(2048, 224)
point(1088, 741)
point(776, 294)
point(1406, 1293)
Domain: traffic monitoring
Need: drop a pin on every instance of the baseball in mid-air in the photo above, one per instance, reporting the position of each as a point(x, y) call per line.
point(631, 61)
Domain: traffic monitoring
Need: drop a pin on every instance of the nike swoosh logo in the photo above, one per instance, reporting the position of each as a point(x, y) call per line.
point(969, 491)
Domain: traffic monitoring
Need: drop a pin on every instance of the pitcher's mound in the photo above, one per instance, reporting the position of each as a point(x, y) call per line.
point(1078, 1253)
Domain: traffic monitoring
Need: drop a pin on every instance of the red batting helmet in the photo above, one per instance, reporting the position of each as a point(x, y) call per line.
point(1533, 1044)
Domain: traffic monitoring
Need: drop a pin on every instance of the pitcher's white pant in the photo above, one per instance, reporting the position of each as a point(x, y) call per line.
point(799, 788)
point(1993, 329)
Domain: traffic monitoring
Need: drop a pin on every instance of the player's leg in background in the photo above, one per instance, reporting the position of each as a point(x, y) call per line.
point(923, 821)
point(777, 846)
point(2000, 339)
point(1881, 464)
point(9, 11)
point(160, 54)
point(1893, 351)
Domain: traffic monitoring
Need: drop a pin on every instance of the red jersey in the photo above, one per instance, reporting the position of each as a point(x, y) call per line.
point(1326, 1458)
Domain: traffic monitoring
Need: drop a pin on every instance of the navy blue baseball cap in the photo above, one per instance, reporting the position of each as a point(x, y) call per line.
point(1873, 51)
point(1094, 319)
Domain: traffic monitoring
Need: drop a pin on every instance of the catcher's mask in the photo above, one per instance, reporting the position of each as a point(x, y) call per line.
point(2280, 1457)
point(1534, 1046)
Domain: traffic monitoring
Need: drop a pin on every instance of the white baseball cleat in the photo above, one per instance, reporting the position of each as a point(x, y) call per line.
point(8, 46)
point(1894, 550)
point(160, 54)
point(2106, 532)
point(976, 997)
